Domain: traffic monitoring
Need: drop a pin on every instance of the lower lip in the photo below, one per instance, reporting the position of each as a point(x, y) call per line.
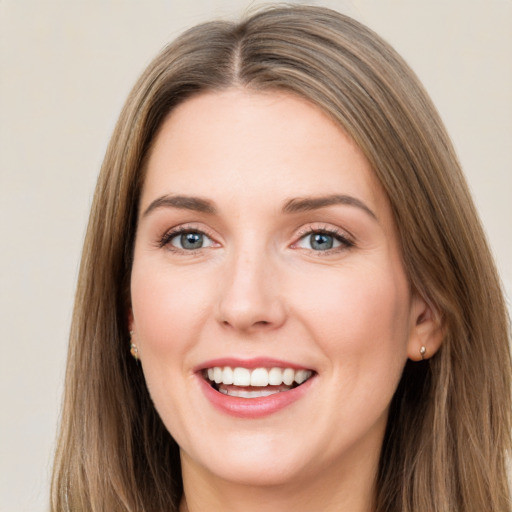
point(253, 407)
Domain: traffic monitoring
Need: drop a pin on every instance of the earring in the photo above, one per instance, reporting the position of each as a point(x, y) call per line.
point(423, 351)
point(134, 351)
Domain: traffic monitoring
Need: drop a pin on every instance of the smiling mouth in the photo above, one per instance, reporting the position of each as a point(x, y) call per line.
point(259, 382)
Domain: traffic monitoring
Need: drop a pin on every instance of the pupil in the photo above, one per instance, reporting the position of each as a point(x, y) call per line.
point(192, 240)
point(321, 241)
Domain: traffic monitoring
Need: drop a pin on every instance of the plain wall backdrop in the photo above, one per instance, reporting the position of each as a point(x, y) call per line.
point(66, 68)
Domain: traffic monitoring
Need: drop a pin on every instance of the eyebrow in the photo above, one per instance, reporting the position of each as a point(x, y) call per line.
point(314, 203)
point(295, 205)
point(196, 204)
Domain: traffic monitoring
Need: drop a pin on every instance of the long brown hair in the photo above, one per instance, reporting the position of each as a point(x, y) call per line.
point(449, 425)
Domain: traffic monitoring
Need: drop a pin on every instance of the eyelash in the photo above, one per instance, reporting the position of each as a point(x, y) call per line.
point(166, 239)
point(339, 236)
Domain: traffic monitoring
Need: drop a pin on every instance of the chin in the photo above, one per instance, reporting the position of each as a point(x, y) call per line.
point(256, 474)
point(250, 461)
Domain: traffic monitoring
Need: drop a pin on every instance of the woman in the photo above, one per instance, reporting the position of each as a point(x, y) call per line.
point(286, 300)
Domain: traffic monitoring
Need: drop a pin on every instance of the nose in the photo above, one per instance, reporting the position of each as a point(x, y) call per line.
point(251, 295)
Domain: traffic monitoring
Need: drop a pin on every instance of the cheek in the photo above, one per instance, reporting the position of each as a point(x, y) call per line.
point(167, 307)
point(361, 314)
point(168, 310)
point(364, 333)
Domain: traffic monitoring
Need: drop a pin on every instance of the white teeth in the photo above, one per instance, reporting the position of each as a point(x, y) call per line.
point(301, 376)
point(227, 375)
point(259, 377)
point(241, 377)
point(288, 376)
point(242, 393)
point(217, 375)
point(275, 376)
point(255, 394)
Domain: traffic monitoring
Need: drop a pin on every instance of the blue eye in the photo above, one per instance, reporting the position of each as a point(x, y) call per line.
point(189, 240)
point(322, 241)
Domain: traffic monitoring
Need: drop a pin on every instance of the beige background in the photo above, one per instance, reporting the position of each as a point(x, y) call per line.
point(65, 70)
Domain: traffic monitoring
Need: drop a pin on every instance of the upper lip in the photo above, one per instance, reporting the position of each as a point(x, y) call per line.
point(256, 362)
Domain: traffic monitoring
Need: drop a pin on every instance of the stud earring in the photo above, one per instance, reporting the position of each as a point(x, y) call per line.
point(423, 351)
point(134, 351)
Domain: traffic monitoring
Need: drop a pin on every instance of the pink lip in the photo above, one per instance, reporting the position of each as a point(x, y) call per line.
point(252, 408)
point(257, 362)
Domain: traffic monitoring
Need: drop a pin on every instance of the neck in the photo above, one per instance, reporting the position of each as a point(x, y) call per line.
point(336, 490)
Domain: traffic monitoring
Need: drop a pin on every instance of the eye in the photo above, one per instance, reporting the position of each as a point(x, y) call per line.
point(187, 240)
point(323, 241)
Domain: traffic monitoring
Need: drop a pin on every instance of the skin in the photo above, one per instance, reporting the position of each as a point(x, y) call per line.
point(258, 288)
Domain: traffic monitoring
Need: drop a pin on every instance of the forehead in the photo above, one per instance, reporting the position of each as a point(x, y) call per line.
point(251, 144)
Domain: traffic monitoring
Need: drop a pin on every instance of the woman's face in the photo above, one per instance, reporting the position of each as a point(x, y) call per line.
point(265, 253)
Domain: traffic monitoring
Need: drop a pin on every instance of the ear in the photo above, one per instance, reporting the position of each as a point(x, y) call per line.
point(426, 330)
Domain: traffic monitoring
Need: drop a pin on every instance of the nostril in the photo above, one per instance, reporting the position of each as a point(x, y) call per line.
point(261, 323)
